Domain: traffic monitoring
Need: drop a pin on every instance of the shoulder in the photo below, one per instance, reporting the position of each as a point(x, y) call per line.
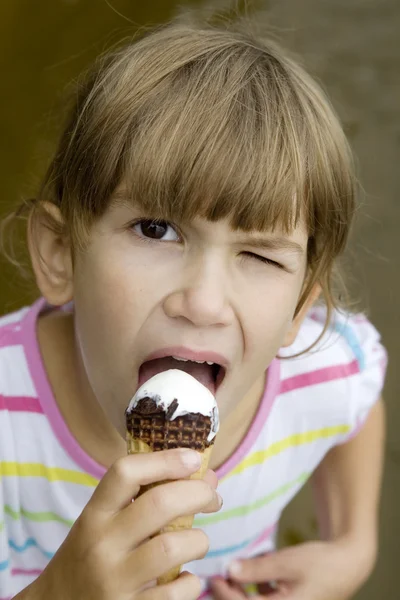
point(11, 321)
point(15, 377)
point(344, 371)
point(350, 339)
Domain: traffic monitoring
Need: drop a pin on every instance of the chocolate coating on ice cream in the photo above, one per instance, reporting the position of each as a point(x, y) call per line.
point(149, 406)
point(154, 426)
point(178, 398)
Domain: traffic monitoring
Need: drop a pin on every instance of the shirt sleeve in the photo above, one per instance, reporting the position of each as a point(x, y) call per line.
point(370, 358)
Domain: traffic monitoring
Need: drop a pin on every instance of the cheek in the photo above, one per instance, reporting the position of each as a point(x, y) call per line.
point(101, 305)
point(269, 316)
point(109, 290)
point(110, 307)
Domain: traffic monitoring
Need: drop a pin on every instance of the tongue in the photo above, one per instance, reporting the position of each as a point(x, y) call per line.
point(201, 372)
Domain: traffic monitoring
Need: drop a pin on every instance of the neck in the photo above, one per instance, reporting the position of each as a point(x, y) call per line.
point(82, 412)
point(237, 424)
point(72, 392)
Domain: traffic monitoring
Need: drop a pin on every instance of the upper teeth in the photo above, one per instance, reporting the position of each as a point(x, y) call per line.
point(201, 362)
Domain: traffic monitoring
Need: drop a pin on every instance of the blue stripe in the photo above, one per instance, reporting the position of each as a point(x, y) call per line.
point(4, 565)
point(30, 543)
point(230, 549)
point(348, 333)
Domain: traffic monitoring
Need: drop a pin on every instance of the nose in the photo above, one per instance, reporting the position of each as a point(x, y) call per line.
point(202, 296)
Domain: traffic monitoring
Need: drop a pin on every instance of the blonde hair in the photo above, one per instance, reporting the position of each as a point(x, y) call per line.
point(198, 119)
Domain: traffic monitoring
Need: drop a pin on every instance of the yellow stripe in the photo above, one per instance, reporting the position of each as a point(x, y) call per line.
point(257, 458)
point(251, 588)
point(298, 439)
point(9, 469)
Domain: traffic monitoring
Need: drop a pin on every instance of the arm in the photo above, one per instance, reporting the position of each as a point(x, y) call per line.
point(346, 488)
point(111, 525)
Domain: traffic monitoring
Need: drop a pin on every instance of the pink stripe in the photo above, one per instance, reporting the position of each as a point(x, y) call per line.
point(50, 407)
point(204, 594)
point(271, 390)
point(319, 376)
point(264, 536)
point(20, 404)
point(361, 319)
point(28, 572)
point(11, 334)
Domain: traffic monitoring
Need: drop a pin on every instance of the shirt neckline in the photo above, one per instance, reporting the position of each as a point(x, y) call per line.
point(68, 441)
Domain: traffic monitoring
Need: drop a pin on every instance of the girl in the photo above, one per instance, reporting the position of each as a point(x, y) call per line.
point(200, 195)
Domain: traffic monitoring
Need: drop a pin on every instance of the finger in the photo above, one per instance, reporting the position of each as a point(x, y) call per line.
point(211, 478)
point(160, 505)
point(280, 592)
point(273, 589)
point(274, 595)
point(122, 481)
point(214, 506)
point(186, 587)
point(164, 552)
point(281, 595)
point(275, 566)
point(222, 590)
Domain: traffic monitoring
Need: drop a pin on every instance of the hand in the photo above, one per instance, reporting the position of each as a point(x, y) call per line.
point(108, 554)
point(312, 571)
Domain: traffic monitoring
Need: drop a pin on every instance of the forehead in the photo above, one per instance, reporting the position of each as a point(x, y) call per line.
point(277, 239)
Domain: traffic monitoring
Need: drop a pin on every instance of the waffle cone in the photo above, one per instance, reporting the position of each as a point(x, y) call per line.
point(137, 446)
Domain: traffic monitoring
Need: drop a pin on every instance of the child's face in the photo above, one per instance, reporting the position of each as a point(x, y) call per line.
point(140, 289)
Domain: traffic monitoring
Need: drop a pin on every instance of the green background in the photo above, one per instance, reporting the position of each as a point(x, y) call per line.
point(352, 47)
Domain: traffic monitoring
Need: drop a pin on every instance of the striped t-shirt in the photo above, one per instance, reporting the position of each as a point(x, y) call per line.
point(310, 404)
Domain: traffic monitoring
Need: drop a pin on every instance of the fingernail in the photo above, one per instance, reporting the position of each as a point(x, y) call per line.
point(190, 458)
point(235, 568)
point(220, 500)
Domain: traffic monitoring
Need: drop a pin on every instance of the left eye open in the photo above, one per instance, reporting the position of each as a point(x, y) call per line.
point(155, 230)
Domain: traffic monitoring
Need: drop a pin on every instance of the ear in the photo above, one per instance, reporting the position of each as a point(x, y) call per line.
point(299, 318)
point(51, 256)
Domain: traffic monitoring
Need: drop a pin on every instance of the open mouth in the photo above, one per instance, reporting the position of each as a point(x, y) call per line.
point(207, 373)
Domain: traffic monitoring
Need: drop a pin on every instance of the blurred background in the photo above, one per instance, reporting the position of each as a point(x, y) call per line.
point(353, 48)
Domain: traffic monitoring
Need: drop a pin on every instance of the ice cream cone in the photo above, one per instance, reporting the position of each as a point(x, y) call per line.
point(181, 523)
point(152, 427)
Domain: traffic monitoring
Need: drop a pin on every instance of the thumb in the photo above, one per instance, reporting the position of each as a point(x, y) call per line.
point(275, 566)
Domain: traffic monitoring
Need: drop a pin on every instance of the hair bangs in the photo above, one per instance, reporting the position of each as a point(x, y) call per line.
point(195, 120)
point(227, 151)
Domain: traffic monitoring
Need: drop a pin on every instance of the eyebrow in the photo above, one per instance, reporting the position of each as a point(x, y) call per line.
point(273, 244)
point(120, 197)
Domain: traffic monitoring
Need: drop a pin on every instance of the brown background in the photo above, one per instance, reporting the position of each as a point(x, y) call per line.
point(352, 47)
